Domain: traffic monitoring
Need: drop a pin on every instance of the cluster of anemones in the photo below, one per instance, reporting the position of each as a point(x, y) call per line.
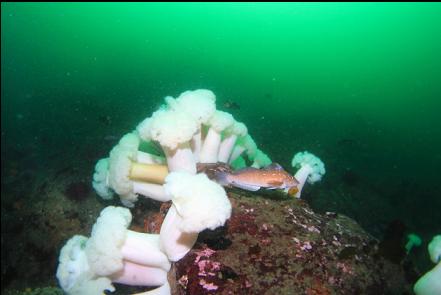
point(159, 160)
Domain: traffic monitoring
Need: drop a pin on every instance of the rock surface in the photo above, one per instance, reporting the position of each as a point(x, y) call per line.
point(271, 245)
point(280, 246)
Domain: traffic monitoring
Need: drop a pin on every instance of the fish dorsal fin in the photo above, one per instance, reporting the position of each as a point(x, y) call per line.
point(274, 166)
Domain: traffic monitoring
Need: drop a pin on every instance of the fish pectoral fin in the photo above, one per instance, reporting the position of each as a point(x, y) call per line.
point(247, 187)
point(275, 183)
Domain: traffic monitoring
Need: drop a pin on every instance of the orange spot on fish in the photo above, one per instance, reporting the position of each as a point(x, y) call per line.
point(292, 191)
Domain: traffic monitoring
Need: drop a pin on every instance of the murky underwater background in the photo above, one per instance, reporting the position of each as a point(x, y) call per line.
point(359, 85)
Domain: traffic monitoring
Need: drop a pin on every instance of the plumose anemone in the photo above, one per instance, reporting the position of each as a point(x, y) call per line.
point(184, 134)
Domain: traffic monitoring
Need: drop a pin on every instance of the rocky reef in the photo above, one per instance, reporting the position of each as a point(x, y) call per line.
point(275, 245)
point(272, 244)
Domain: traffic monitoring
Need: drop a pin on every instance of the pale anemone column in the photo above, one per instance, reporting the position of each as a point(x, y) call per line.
point(174, 131)
point(311, 169)
point(211, 144)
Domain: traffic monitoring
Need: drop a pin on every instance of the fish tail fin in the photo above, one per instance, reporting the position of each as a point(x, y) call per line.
point(221, 178)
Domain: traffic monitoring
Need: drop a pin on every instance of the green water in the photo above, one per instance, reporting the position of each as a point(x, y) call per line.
point(357, 84)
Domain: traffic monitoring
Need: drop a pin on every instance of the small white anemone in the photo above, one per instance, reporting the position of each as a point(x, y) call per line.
point(198, 204)
point(311, 169)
